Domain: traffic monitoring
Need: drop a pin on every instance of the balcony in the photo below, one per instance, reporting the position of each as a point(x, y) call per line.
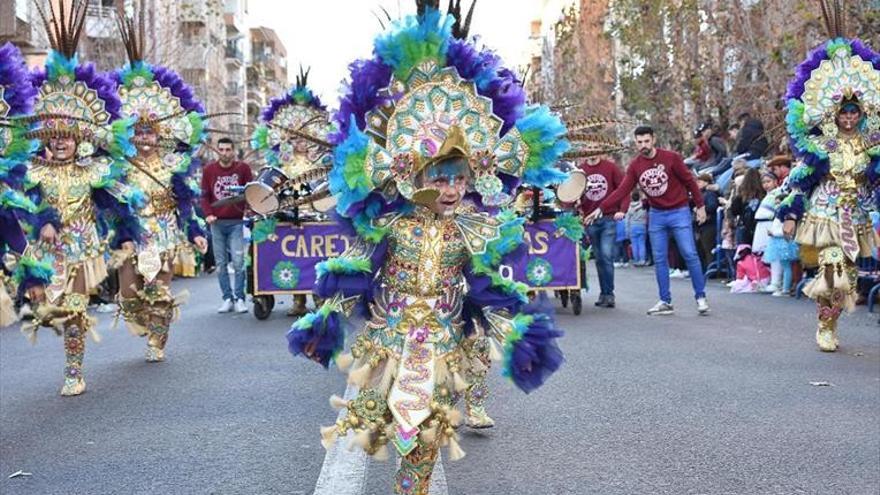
point(234, 56)
point(194, 11)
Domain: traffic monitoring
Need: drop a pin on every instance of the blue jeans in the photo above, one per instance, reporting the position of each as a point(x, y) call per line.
point(678, 222)
point(637, 235)
point(603, 233)
point(228, 239)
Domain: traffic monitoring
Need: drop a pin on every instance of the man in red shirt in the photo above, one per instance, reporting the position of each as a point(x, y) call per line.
point(603, 176)
point(220, 179)
point(666, 181)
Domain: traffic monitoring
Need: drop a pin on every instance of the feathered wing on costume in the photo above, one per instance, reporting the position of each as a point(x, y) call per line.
point(810, 105)
point(16, 99)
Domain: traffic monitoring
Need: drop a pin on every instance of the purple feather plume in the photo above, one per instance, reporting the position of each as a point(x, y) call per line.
point(178, 87)
point(120, 216)
point(321, 341)
point(14, 75)
point(367, 78)
point(277, 103)
point(536, 355)
point(861, 49)
point(11, 234)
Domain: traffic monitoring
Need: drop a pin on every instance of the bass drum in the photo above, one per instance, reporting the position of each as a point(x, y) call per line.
point(263, 195)
point(572, 188)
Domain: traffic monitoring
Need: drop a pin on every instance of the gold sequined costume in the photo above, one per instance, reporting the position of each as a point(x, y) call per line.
point(168, 128)
point(423, 165)
point(835, 186)
point(83, 206)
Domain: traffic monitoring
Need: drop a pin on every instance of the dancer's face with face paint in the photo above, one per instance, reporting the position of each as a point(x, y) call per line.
point(450, 178)
point(848, 118)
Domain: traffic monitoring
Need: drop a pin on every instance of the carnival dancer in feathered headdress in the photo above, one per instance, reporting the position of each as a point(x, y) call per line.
point(168, 128)
point(292, 138)
point(434, 138)
point(16, 99)
point(77, 185)
point(833, 123)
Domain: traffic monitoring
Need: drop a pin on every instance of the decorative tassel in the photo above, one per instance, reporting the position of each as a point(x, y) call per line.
point(329, 434)
point(453, 417)
point(360, 376)
point(441, 371)
point(7, 308)
point(337, 402)
point(458, 382)
point(362, 439)
point(428, 435)
point(343, 361)
point(381, 454)
point(455, 452)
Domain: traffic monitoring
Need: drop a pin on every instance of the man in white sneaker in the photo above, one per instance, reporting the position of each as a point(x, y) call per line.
point(219, 179)
point(666, 181)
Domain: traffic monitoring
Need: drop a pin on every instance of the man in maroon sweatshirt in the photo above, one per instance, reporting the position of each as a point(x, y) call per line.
point(603, 176)
point(220, 179)
point(666, 181)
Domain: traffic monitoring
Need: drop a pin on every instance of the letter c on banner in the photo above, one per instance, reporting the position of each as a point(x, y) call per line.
point(506, 272)
point(285, 248)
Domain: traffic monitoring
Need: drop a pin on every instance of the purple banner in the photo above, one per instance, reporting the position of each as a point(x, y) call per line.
point(286, 263)
point(552, 262)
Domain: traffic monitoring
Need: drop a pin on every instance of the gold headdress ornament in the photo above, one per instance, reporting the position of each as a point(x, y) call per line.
point(74, 101)
point(163, 103)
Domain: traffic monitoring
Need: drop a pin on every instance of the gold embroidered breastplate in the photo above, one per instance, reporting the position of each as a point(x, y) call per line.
point(67, 186)
point(152, 175)
point(426, 256)
point(848, 163)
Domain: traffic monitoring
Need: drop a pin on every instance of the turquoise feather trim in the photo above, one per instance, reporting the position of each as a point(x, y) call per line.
point(133, 71)
point(120, 145)
point(348, 180)
point(344, 266)
point(14, 200)
point(58, 65)
point(263, 229)
point(543, 132)
point(31, 270)
point(570, 226)
point(486, 264)
point(414, 40)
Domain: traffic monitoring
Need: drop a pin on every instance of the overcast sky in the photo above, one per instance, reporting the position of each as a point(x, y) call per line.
point(328, 34)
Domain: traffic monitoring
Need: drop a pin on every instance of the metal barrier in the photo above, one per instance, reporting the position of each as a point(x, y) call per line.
point(723, 261)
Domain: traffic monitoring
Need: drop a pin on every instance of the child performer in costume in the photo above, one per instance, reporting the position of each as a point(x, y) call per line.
point(434, 137)
point(283, 139)
point(834, 126)
point(168, 128)
point(16, 99)
point(77, 186)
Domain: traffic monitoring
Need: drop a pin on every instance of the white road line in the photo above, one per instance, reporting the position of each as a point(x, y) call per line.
point(344, 471)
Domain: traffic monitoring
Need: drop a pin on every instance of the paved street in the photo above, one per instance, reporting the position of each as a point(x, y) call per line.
point(660, 405)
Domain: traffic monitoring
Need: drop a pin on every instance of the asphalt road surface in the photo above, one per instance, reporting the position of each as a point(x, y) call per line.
point(644, 405)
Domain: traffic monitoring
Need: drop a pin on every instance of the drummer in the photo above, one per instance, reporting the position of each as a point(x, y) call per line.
point(220, 180)
point(603, 176)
